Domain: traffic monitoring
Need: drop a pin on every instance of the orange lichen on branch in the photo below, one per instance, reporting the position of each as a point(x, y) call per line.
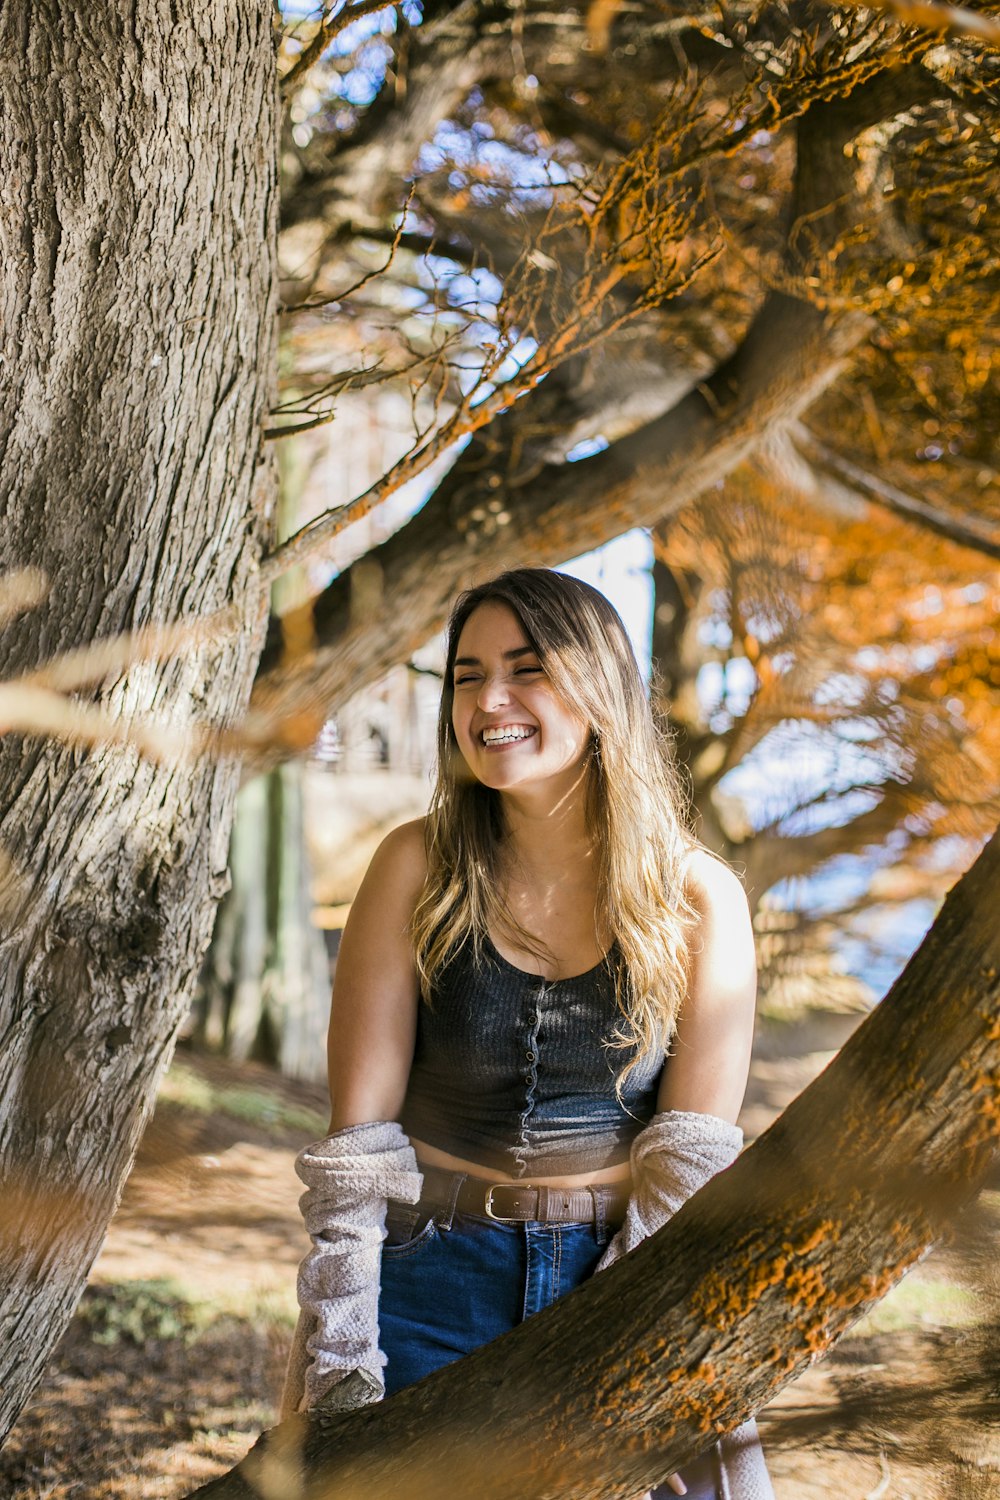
point(991, 1031)
point(817, 1302)
point(986, 1083)
point(981, 1139)
point(827, 1231)
point(780, 1360)
point(721, 1301)
point(806, 1284)
point(982, 1085)
point(695, 1412)
point(817, 1338)
point(656, 1365)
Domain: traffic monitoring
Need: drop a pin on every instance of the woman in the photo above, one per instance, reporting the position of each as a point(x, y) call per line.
point(545, 987)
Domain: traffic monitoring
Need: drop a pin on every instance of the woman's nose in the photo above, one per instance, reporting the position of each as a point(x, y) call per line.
point(493, 694)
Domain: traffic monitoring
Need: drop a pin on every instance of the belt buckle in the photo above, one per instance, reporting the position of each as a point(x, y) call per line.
point(514, 1187)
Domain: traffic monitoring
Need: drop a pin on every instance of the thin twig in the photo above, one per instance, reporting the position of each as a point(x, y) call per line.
point(333, 22)
point(368, 276)
point(35, 710)
point(88, 665)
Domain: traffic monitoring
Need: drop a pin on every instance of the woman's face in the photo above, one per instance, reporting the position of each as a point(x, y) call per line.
point(513, 729)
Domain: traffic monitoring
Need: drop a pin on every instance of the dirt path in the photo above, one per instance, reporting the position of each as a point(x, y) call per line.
point(173, 1363)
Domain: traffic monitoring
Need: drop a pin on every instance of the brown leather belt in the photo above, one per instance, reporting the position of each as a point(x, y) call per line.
point(522, 1202)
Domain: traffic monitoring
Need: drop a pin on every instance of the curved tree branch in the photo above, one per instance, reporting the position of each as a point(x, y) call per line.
point(378, 612)
point(479, 520)
point(978, 535)
point(637, 1371)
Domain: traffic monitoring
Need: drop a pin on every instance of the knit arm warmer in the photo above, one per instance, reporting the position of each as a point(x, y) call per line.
point(675, 1155)
point(349, 1177)
point(672, 1158)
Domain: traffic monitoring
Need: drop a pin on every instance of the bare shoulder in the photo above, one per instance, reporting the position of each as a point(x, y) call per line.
point(708, 1071)
point(404, 851)
point(393, 880)
point(712, 886)
point(406, 840)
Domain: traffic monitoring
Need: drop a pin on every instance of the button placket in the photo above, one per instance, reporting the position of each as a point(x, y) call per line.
point(532, 1019)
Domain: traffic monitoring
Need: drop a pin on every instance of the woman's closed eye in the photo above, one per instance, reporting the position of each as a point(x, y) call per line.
point(470, 679)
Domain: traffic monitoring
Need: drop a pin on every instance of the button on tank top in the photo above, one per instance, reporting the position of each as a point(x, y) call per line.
point(516, 1072)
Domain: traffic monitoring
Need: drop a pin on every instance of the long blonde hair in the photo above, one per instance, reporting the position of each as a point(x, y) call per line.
point(634, 810)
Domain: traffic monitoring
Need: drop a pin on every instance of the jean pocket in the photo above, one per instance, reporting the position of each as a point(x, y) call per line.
point(407, 1230)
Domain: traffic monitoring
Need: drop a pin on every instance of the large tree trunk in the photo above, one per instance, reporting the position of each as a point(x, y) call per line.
point(138, 245)
point(635, 1372)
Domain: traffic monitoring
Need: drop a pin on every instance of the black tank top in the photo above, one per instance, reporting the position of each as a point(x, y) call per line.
point(516, 1072)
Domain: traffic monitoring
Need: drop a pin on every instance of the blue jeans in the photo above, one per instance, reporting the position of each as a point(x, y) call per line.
point(453, 1282)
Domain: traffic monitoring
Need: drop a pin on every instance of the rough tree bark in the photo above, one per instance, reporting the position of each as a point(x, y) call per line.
point(138, 241)
point(634, 1373)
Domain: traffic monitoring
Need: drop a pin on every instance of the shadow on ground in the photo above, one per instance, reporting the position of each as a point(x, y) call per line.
point(174, 1361)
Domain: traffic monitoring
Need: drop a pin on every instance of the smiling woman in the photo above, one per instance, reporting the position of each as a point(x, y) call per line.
point(541, 1017)
point(510, 726)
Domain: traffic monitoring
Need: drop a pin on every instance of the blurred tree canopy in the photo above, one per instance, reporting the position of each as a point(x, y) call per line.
point(730, 273)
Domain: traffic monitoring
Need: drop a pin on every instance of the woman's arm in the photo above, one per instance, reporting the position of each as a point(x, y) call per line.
point(366, 1159)
point(707, 1072)
point(373, 1016)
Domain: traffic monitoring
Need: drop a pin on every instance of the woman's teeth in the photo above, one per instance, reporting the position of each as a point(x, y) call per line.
point(505, 736)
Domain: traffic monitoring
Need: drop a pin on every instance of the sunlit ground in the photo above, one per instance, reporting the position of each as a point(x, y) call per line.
point(174, 1361)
